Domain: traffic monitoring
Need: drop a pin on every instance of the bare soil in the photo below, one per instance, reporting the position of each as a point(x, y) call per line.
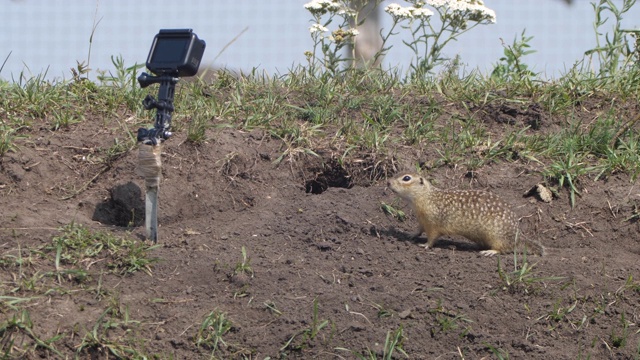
point(314, 233)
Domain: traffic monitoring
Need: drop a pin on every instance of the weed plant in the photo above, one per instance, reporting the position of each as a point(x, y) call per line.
point(111, 335)
point(211, 331)
point(523, 276)
point(306, 335)
point(244, 266)
point(17, 337)
point(393, 342)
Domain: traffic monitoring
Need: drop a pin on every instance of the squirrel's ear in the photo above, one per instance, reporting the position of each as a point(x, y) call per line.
point(421, 180)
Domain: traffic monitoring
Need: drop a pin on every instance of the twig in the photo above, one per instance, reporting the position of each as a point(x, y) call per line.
point(622, 130)
point(86, 185)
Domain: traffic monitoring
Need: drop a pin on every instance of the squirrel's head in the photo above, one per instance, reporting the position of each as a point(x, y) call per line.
point(408, 184)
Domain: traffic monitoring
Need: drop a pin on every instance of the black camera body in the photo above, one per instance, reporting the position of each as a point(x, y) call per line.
point(175, 52)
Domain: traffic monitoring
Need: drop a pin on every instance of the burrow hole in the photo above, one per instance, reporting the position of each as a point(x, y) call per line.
point(332, 176)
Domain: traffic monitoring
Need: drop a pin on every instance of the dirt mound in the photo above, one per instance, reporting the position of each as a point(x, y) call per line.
point(325, 272)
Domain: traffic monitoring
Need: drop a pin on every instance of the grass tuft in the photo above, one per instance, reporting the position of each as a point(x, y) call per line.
point(78, 244)
point(211, 331)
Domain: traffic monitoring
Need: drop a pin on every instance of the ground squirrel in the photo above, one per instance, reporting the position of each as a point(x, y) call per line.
point(478, 215)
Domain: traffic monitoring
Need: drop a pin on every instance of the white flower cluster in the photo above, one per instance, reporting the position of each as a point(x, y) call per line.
point(353, 32)
point(317, 28)
point(438, 3)
point(474, 8)
point(319, 7)
point(398, 12)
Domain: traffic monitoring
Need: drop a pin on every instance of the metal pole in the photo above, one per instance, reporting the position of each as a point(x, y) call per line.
point(150, 167)
point(151, 213)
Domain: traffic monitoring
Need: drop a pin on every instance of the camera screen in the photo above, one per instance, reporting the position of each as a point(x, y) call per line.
point(169, 50)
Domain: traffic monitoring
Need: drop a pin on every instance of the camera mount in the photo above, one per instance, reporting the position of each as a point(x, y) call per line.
point(164, 106)
point(174, 53)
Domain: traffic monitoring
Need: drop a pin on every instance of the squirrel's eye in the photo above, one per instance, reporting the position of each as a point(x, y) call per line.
point(406, 178)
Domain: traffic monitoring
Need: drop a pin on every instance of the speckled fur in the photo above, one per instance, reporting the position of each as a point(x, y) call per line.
point(478, 215)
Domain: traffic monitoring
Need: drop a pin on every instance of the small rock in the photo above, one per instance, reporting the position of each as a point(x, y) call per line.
point(544, 194)
point(541, 192)
point(241, 279)
point(324, 246)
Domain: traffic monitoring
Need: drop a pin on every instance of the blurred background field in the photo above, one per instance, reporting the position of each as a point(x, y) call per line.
point(51, 36)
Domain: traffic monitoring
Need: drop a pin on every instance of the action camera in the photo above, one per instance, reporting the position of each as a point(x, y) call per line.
point(175, 52)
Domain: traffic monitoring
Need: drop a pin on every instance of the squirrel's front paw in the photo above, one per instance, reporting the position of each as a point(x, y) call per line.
point(489, 252)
